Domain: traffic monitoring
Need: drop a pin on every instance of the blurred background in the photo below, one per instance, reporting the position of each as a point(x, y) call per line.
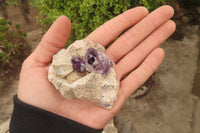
point(169, 102)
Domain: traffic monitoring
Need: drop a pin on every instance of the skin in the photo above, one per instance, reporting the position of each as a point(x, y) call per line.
point(136, 53)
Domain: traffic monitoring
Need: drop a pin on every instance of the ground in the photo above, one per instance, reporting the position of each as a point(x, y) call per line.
point(9, 83)
point(171, 106)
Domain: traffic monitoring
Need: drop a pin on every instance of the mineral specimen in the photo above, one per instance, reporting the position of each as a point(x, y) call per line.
point(110, 128)
point(97, 61)
point(78, 64)
point(84, 71)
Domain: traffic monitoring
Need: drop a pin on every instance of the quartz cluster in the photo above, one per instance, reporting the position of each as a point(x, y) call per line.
point(83, 71)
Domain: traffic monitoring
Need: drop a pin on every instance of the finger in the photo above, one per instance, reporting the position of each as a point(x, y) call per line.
point(137, 33)
point(136, 56)
point(140, 75)
point(136, 78)
point(54, 40)
point(107, 32)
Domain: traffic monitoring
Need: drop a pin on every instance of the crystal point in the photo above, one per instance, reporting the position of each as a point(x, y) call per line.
point(97, 61)
point(78, 64)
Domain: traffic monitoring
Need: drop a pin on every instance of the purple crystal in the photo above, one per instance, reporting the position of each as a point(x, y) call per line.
point(78, 64)
point(97, 61)
point(106, 105)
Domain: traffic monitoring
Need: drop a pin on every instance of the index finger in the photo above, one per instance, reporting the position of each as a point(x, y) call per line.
point(107, 32)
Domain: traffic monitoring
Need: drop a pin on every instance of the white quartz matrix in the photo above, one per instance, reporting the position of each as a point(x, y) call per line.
point(91, 86)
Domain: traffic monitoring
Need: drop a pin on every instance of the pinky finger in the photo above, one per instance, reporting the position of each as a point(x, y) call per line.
point(136, 78)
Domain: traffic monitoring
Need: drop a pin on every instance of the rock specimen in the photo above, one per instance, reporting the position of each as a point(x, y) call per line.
point(83, 71)
point(110, 128)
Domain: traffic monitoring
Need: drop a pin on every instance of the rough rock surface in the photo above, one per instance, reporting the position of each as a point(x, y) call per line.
point(123, 124)
point(110, 128)
point(92, 86)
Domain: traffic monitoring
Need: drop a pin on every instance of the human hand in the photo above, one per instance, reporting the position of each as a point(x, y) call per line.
point(135, 53)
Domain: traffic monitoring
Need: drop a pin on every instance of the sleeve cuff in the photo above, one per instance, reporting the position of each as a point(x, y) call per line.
point(29, 119)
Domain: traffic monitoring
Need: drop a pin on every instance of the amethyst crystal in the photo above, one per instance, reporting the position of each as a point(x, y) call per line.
point(78, 64)
point(106, 105)
point(97, 61)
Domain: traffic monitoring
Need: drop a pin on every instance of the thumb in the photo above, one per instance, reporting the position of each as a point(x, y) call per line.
point(54, 40)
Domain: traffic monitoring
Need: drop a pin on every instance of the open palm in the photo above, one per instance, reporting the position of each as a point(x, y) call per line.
point(135, 53)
